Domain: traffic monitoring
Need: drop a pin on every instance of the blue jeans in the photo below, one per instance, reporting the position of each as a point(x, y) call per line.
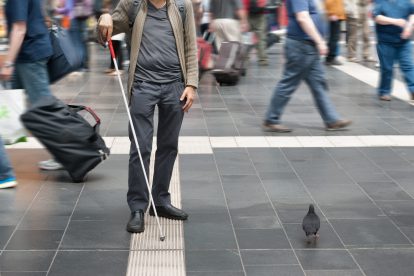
point(78, 33)
point(34, 78)
point(6, 171)
point(387, 54)
point(302, 63)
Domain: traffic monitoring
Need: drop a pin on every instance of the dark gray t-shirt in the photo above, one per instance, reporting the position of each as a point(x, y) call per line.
point(158, 59)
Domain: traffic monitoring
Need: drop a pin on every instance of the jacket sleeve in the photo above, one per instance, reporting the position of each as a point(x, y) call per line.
point(190, 46)
point(120, 17)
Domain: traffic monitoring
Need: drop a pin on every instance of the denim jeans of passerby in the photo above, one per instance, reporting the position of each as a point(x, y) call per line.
point(33, 78)
point(334, 33)
point(6, 170)
point(388, 53)
point(302, 63)
point(78, 33)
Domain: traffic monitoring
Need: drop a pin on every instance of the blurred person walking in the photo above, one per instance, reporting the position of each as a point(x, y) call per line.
point(335, 10)
point(7, 177)
point(117, 41)
point(303, 48)
point(80, 11)
point(205, 20)
point(164, 73)
point(394, 22)
point(28, 52)
point(255, 10)
point(357, 17)
point(228, 20)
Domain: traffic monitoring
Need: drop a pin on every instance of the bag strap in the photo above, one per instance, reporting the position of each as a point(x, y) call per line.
point(136, 5)
point(133, 12)
point(181, 8)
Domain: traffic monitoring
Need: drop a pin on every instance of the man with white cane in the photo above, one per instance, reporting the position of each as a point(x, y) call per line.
point(163, 72)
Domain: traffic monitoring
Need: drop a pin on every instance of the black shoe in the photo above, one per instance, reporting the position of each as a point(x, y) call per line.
point(170, 212)
point(136, 222)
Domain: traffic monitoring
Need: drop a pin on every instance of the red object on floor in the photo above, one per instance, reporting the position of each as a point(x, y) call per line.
point(204, 51)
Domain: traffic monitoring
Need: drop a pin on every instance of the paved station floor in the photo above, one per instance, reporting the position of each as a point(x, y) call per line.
point(246, 190)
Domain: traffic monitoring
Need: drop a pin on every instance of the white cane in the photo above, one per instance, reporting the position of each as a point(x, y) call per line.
point(111, 48)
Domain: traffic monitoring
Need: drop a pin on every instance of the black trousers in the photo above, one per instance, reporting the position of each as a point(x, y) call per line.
point(334, 34)
point(118, 53)
point(145, 96)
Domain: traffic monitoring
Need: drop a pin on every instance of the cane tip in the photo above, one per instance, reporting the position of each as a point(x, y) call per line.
point(162, 238)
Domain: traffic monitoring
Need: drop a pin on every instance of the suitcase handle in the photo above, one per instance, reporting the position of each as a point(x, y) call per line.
point(87, 109)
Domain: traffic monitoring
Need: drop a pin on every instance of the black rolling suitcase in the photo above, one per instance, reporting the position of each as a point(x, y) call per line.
point(67, 135)
point(231, 62)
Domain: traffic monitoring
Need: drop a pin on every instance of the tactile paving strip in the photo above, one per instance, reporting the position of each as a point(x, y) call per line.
point(151, 257)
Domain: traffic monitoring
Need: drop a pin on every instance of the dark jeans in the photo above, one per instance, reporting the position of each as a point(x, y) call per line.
point(118, 53)
point(145, 96)
point(388, 53)
point(33, 78)
point(334, 33)
point(78, 32)
point(302, 63)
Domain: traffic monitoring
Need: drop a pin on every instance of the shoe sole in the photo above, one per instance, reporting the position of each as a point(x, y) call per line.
point(167, 217)
point(134, 230)
point(50, 168)
point(276, 131)
point(342, 128)
point(8, 185)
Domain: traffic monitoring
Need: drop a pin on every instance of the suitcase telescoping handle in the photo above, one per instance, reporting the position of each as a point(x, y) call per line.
point(87, 109)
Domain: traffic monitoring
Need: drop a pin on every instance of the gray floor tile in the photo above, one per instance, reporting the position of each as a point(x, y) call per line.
point(384, 191)
point(334, 273)
point(373, 232)
point(35, 240)
point(401, 212)
point(43, 222)
point(17, 261)
point(285, 270)
point(216, 273)
point(268, 257)
point(325, 260)
point(5, 234)
point(23, 273)
point(215, 260)
point(365, 210)
point(256, 222)
point(235, 162)
point(94, 235)
point(84, 263)
point(208, 232)
point(328, 238)
point(384, 262)
point(262, 239)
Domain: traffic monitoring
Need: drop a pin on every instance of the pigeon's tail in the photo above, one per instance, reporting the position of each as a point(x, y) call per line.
point(311, 209)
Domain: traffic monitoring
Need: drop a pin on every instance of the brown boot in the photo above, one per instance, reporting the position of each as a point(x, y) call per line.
point(338, 125)
point(276, 128)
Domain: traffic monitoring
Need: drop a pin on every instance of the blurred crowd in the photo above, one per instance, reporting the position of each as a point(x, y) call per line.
point(310, 29)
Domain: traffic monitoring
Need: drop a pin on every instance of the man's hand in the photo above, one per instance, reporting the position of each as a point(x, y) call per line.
point(188, 95)
point(322, 48)
point(6, 73)
point(400, 22)
point(406, 34)
point(105, 28)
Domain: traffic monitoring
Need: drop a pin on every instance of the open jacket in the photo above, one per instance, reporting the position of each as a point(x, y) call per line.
point(185, 37)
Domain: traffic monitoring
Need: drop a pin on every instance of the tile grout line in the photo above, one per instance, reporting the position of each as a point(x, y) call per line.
point(275, 211)
point(229, 214)
point(66, 228)
point(24, 215)
point(317, 205)
point(368, 196)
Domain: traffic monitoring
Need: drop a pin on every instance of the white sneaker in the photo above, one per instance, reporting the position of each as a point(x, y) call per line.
point(50, 165)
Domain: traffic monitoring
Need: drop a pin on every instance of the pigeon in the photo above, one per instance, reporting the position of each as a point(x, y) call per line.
point(311, 224)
